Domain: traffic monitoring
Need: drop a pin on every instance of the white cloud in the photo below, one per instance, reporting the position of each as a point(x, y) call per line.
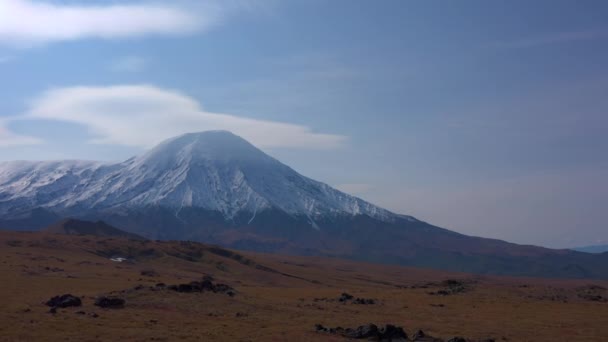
point(143, 115)
point(26, 22)
point(129, 64)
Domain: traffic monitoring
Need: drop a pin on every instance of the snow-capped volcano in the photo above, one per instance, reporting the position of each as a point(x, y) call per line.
point(215, 170)
point(218, 188)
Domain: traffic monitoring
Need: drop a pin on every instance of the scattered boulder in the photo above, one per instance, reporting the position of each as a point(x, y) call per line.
point(457, 339)
point(593, 298)
point(452, 283)
point(222, 288)
point(64, 301)
point(186, 288)
point(110, 302)
point(364, 301)
point(201, 286)
point(393, 333)
point(363, 331)
point(420, 336)
point(388, 333)
point(452, 287)
point(337, 330)
point(345, 297)
point(593, 293)
point(367, 331)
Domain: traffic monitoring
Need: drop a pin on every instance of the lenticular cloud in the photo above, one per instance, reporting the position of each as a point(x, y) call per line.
point(143, 115)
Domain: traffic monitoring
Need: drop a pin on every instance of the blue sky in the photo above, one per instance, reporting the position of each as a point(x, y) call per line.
point(485, 117)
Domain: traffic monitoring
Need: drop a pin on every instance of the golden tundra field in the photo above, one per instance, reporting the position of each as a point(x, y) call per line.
point(274, 298)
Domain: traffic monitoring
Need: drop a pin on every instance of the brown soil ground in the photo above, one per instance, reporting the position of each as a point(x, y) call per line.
point(279, 298)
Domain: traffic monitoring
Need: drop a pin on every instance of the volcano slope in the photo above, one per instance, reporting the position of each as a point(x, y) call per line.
point(269, 297)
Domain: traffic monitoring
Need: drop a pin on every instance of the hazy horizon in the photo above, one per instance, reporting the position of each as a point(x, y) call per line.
point(484, 118)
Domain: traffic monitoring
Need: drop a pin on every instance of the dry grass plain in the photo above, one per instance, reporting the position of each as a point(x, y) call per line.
point(279, 298)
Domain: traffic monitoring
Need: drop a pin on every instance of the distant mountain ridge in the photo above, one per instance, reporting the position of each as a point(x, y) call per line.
point(217, 188)
point(592, 249)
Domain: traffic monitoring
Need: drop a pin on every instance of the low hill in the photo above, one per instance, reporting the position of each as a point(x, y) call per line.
point(79, 227)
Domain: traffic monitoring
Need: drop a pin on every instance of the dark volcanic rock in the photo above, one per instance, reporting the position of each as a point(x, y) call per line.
point(457, 339)
point(389, 333)
point(201, 286)
point(363, 331)
point(110, 302)
point(186, 288)
point(420, 336)
point(452, 287)
point(593, 293)
point(345, 297)
point(364, 301)
point(64, 301)
point(222, 288)
point(392, 333)
point(594, 298)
